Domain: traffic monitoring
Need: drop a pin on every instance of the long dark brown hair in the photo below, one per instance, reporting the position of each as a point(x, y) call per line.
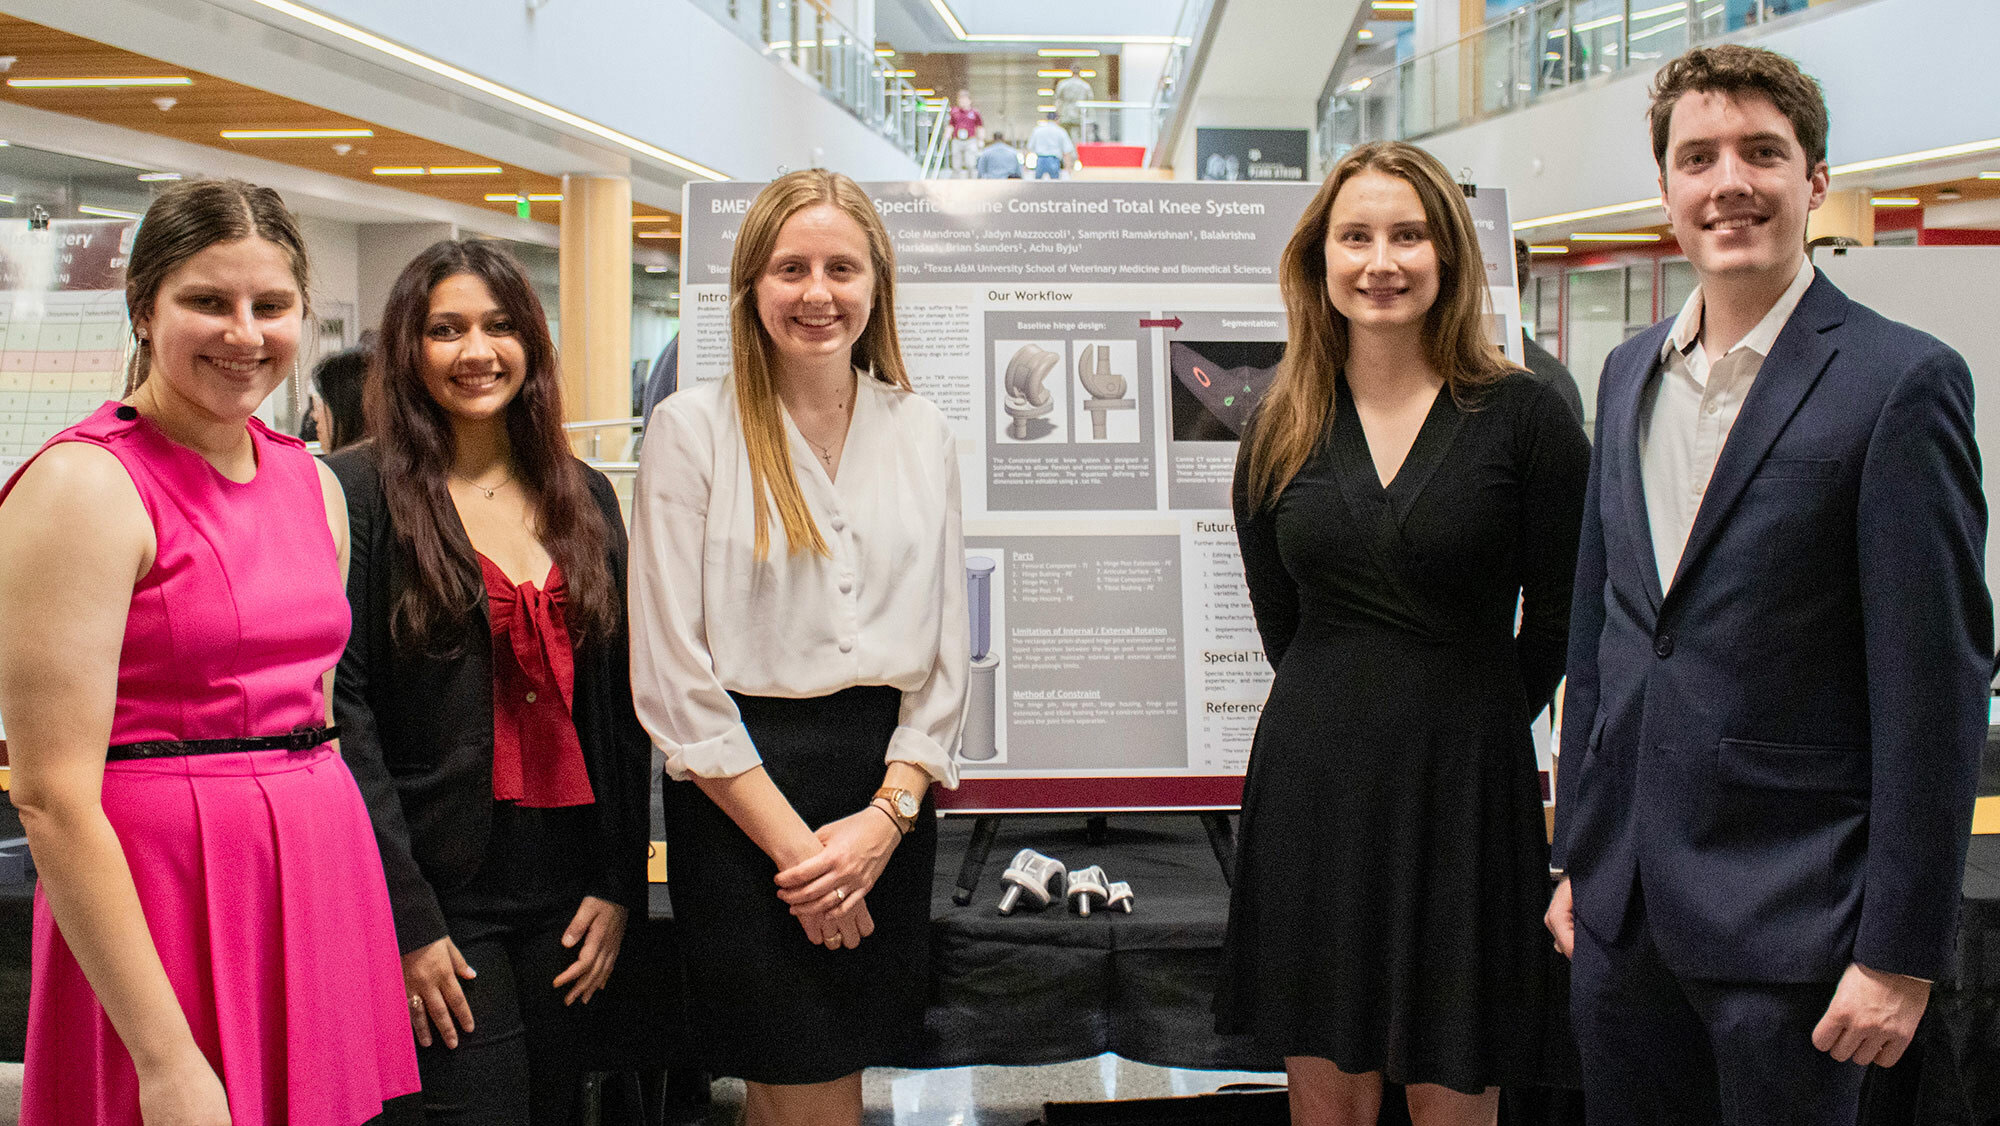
point(187, 219)
point(1295, 410)
point(416, 448)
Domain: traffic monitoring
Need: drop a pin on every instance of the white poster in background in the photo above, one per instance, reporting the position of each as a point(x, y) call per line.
point(1097, 348)
point(62, 327)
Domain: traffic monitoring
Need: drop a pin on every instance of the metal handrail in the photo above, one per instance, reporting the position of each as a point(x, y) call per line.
point(934, 152)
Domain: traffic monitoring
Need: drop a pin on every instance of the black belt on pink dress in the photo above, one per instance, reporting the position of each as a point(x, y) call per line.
point(304, 739)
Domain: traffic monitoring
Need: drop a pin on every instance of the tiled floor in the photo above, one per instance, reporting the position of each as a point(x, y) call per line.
point(964, 1096)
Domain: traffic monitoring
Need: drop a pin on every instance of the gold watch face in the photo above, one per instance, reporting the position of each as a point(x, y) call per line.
point(906, 803)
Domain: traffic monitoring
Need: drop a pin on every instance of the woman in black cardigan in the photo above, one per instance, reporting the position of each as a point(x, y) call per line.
point(484, 700)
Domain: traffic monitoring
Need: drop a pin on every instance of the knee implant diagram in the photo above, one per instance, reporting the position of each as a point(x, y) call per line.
point(1027, 398)
point(1106, 387)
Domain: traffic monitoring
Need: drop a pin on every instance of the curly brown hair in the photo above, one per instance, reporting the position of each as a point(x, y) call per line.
point(1730, 68)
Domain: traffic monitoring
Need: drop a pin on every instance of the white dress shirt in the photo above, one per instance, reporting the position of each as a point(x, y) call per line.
point(888, 607)
point(1687, 411)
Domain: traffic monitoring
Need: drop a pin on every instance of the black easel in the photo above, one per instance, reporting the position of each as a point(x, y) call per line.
point(986, 827)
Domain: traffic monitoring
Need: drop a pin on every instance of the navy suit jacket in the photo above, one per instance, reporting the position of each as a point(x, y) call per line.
point(1780, 752)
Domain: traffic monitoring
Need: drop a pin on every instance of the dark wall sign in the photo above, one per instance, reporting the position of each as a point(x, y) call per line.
point(1250, 154)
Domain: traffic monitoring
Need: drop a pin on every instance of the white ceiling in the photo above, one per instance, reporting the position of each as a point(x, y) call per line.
point(916, 25)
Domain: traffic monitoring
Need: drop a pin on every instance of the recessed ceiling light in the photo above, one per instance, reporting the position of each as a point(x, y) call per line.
point(1045, 109)
point(1982, 175)
point(550, 197)
point(1548, 249)
point(884, 52)
point(1896, 201)
point(1614, 236)
point(158, 177)
point(1045, 93)
point(926, 92)
point(659, 234)
point(1394, 5)
point(465, 170)
point(906, 74)
point(6, 199)
point(107, 212)
point(1362, 83)
point(97, 83)
point(401, 170)
point(650, 218)
point(291, 134)
point(1364, 35)
point(1052, 74)
point(658, 269)
point(1088, 73)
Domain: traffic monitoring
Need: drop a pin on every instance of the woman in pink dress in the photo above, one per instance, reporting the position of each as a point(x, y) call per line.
point(212, 942)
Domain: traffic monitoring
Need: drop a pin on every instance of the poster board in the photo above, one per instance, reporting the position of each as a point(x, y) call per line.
point(62, 327)
point(1096, 348)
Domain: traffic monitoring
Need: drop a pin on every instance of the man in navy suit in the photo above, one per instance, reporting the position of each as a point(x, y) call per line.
point(1779, 652)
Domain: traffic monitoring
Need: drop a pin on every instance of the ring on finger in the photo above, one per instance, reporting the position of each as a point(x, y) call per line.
point(840, 894)
point(416, 1001)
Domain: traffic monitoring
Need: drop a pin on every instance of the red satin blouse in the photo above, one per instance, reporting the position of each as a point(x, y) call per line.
point(537, 760)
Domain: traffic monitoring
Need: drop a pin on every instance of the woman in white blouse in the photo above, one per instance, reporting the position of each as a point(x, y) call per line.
point(799, 654)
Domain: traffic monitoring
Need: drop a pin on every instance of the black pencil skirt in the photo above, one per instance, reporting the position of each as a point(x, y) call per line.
point(766, 1004)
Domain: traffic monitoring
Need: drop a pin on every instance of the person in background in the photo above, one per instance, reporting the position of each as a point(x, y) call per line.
point(665, 377)
point(212, 939)
point(1052, 148)
point(337, 382)
point(485, 695)
point(1778, 673)
point(800, 656)
point(1541, 364)
point(1401, 489)
point(1071, 93)
point(965, 125)
point(999, 160)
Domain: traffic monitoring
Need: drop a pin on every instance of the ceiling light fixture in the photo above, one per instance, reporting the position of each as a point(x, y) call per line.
point(1394, 5)
point(291, 134)
point(1364, 35)
point(904, 73)
point(1614, 236)
point(648, 218)
point(485, 86)
point(659, 234)
point(658, 269)
point(958, 32)
point(97, 83)
point(1547, 248)
point(885, 52)
point(1069, 53)
point(1982, 175)
point(1966, 149)
point(1088, 73)
point(465, 170)
point(1895, 201)
point(107, 212)
point(1361, 83)
point(398, 171)
point(1586, 213)
point(1052, 74)
point(158, 177)
point(1045, 109)
point(1045, 93)
point(6, 199)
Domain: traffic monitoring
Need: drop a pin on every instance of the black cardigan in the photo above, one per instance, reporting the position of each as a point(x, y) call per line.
point(417, 729)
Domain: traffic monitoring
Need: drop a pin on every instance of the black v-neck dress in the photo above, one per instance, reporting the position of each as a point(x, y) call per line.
point(1392, 869)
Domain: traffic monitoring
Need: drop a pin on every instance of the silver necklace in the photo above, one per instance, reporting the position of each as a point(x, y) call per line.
point(825, 452)
point(483, 489)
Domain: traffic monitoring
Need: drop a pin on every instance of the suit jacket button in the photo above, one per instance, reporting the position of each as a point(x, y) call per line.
point(1663, 646)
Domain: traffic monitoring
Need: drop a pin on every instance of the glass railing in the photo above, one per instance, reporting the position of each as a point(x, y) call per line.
point(1190, 31)
point(1540, 48)
point(806, 38)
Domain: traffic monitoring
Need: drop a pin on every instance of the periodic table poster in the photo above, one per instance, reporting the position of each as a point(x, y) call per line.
point(62, 327)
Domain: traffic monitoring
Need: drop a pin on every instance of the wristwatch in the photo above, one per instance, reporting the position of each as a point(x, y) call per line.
point(901, 805)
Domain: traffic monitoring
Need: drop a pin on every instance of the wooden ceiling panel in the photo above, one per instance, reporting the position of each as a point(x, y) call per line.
point(209, 105)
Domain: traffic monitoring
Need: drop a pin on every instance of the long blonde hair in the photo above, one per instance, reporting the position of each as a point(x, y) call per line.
point(1295, 411)
point(773, 484)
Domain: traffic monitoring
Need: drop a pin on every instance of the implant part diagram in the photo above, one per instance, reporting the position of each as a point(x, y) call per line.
point(1027, 398)
point(1106, 386)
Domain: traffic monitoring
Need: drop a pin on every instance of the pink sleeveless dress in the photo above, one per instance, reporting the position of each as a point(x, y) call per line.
point(258, 872)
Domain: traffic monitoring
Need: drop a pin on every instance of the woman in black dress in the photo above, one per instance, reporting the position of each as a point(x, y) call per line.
point(1400, 490)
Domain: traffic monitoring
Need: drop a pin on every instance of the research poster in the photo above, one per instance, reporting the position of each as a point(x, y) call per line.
point(62, 327)
point(1097, 348)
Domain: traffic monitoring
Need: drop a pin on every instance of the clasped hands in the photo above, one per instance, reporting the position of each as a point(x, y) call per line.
point(827, 890)
point(1871, 1020)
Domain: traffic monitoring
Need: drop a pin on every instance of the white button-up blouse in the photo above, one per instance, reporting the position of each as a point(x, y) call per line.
point(887, 607)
